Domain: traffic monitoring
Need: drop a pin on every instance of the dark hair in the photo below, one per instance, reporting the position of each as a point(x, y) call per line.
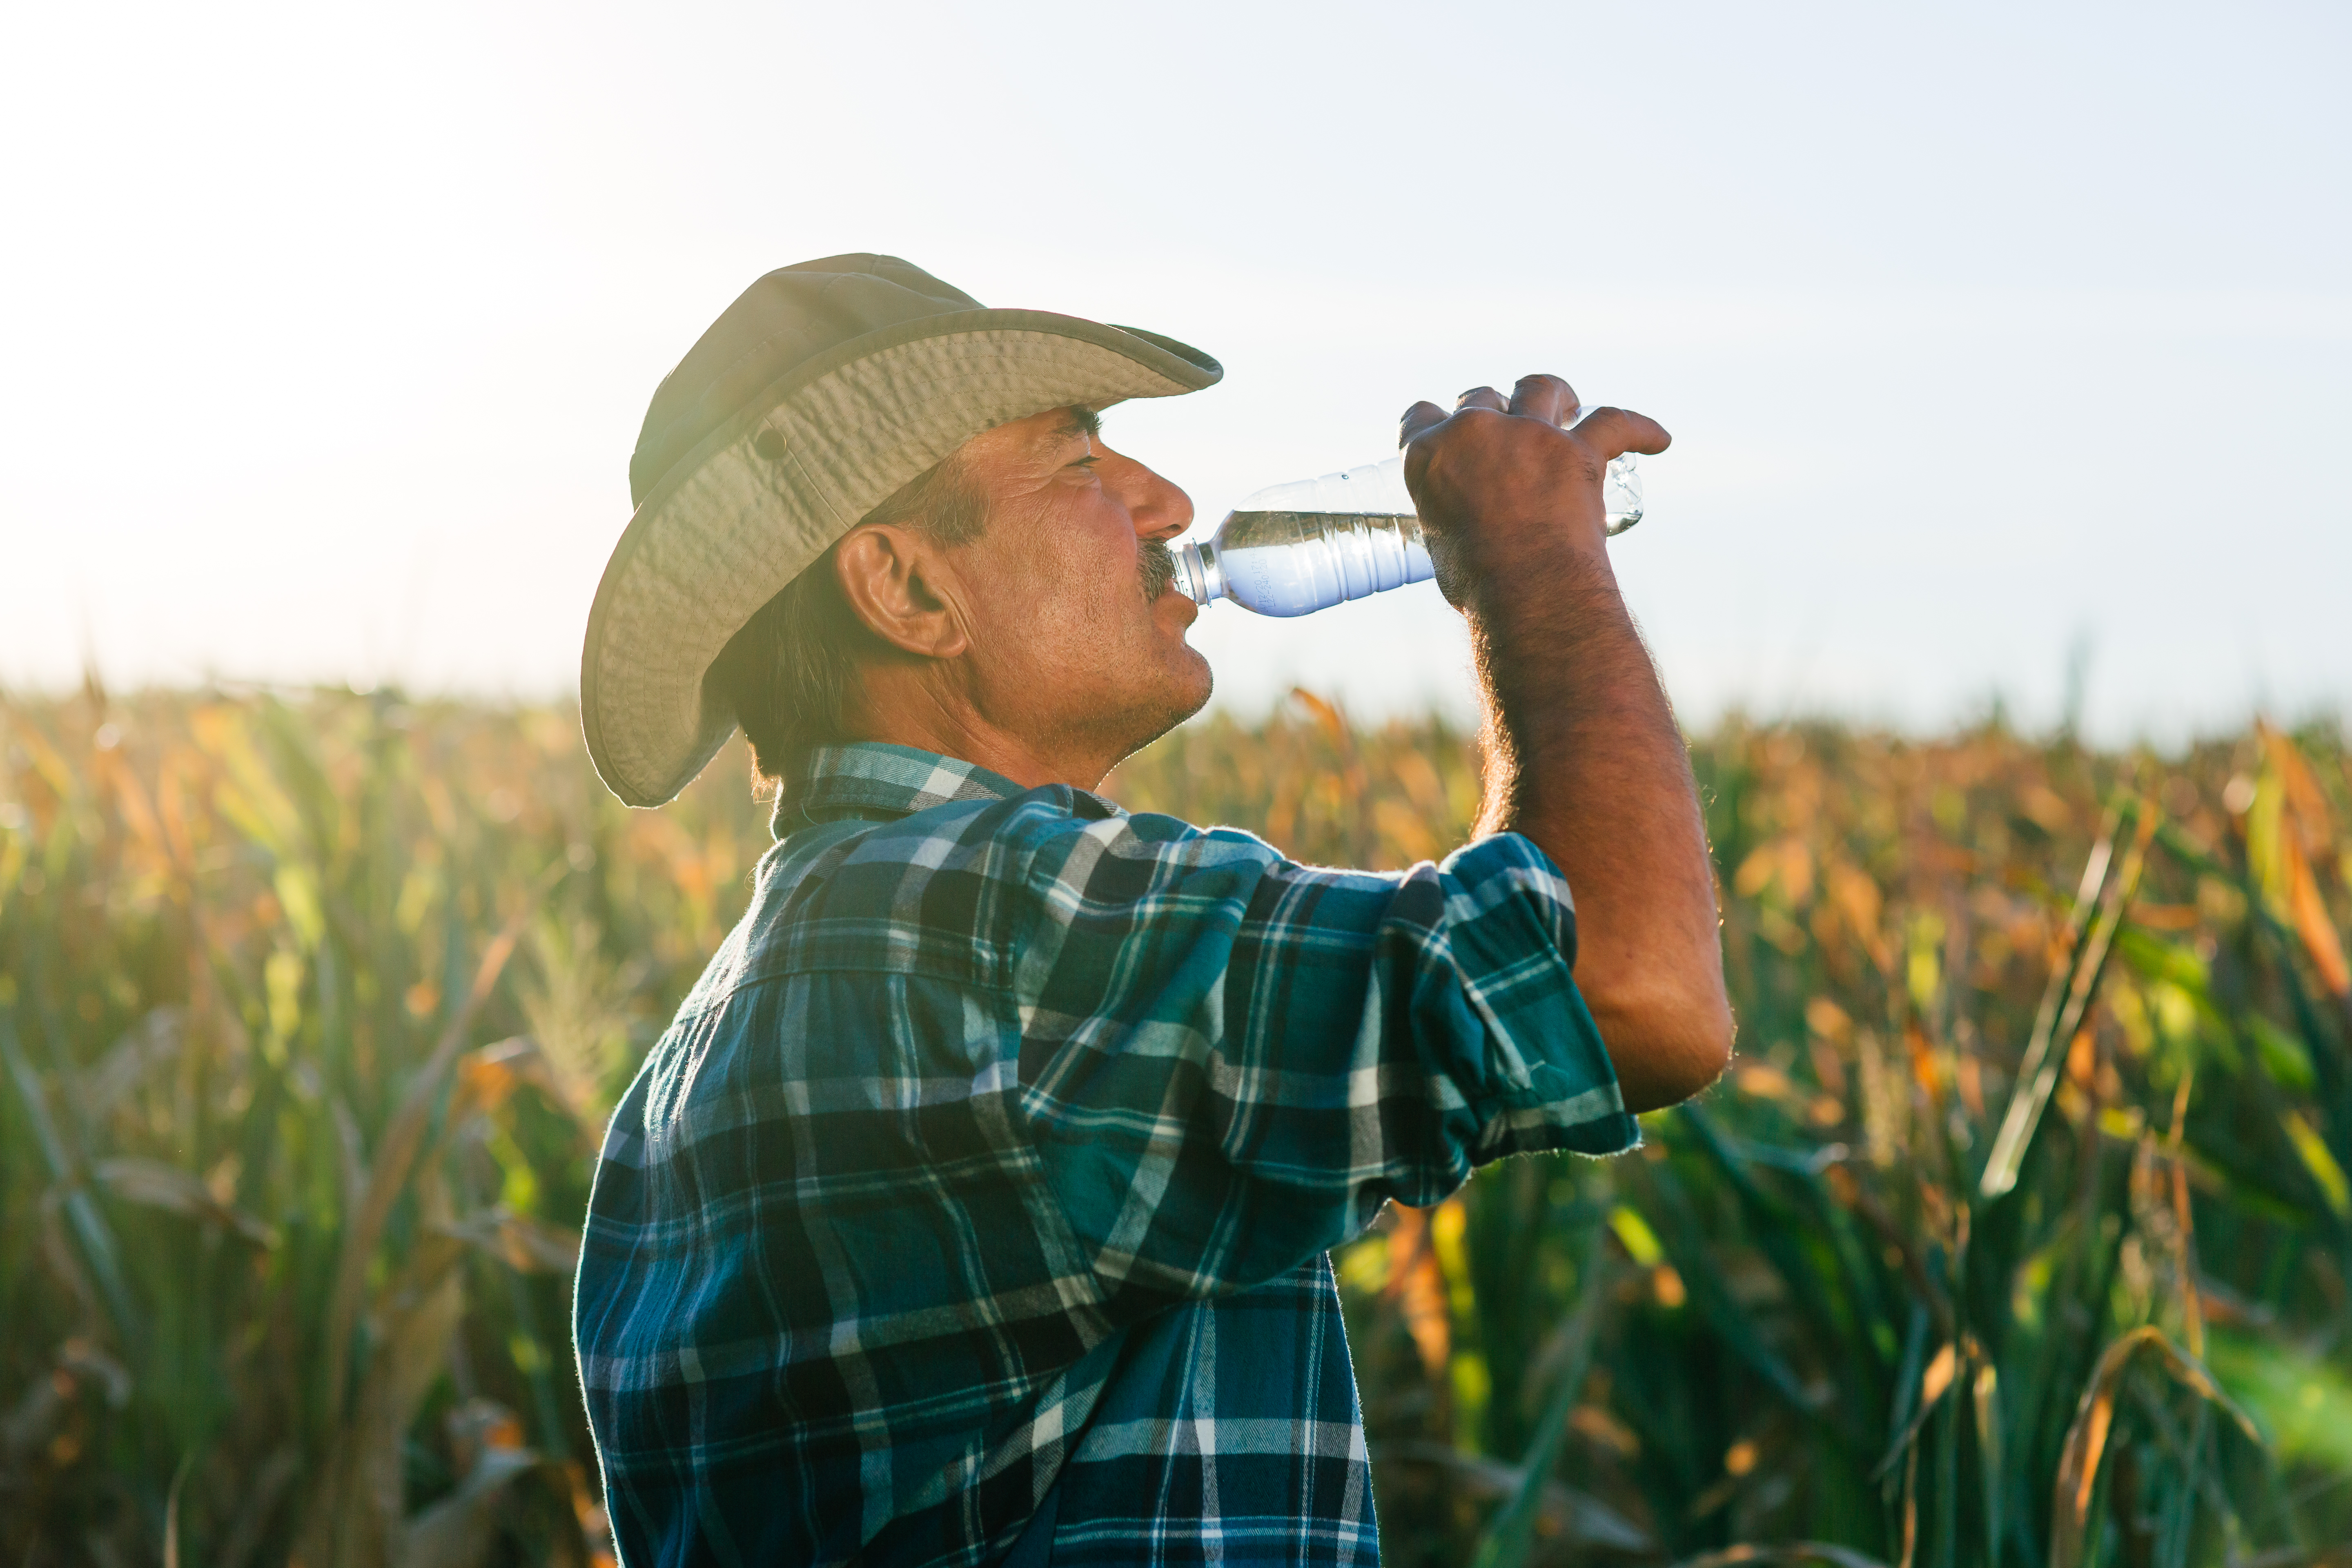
point(790, 674)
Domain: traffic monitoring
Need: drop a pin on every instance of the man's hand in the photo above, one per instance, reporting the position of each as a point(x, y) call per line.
point(1582, 753)
point(1498, 481)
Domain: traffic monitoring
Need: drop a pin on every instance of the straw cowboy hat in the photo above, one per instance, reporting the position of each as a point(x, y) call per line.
point(813, 399)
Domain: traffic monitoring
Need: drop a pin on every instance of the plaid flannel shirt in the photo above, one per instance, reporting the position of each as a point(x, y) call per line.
point(975, 1207)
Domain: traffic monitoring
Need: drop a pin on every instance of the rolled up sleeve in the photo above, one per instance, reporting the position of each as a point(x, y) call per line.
point(1230, 1061)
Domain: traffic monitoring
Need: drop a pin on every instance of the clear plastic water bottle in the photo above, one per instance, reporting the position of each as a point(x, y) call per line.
point(1294, 549)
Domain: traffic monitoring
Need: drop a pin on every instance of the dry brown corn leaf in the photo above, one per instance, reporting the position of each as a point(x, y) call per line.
point(151, 1183)
point(522, 1243)
point(2086, 1439)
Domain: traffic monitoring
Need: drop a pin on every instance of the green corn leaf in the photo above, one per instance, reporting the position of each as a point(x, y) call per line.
point(1511, 1533)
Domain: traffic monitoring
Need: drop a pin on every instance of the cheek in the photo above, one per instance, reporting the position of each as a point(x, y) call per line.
point(1061, 600)
point(1089, 581)
point(1045, 600)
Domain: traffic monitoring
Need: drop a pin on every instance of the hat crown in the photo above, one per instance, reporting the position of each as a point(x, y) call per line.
point(784, 318)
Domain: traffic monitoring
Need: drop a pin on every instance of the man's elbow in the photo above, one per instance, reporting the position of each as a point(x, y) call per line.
point(1666, 1044)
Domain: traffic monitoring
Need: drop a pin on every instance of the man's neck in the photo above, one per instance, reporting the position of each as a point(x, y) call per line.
point(902, 709)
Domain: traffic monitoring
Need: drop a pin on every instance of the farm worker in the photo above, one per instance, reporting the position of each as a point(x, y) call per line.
point(976, 1207)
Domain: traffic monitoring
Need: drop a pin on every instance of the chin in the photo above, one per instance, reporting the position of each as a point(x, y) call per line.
point(1195, 679)
point(1183, 693)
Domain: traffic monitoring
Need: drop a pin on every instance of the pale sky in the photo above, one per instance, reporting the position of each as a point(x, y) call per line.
point(1986, 331)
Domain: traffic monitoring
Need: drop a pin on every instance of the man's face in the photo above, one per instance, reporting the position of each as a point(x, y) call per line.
point(1076, 633)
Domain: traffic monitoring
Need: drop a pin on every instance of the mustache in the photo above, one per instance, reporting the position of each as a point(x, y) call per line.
point(1156, 565)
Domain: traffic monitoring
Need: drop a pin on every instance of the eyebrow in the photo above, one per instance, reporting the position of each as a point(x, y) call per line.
point(1081, 422)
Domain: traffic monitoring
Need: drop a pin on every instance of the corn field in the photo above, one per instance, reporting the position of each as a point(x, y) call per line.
point(2019, 1233)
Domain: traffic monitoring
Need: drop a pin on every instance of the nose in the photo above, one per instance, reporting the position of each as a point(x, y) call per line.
point(1159, 509)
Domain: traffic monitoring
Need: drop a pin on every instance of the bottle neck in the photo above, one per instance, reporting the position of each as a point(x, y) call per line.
point(1199, 575)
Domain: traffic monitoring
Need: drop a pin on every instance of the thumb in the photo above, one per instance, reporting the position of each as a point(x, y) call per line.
point(1611, 432)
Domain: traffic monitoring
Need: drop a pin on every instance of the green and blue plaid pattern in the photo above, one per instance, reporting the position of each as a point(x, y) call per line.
point(975, 1207)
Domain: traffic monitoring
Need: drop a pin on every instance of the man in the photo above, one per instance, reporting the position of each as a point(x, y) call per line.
point(975, 1208)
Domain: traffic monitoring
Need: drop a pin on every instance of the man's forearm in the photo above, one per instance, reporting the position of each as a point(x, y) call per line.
point(1584, 757)
point(1583, 754)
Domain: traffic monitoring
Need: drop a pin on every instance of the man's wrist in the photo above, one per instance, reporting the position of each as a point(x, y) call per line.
point(1505, 577)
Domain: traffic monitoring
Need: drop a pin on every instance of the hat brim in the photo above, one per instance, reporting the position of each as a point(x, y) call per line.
point(727, 527)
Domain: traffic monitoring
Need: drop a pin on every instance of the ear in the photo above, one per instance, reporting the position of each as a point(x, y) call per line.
point(891, 576)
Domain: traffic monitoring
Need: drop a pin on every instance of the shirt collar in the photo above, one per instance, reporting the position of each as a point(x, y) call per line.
point(874, 779)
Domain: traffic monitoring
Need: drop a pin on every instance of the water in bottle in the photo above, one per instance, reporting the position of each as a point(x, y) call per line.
point(1293, 549)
